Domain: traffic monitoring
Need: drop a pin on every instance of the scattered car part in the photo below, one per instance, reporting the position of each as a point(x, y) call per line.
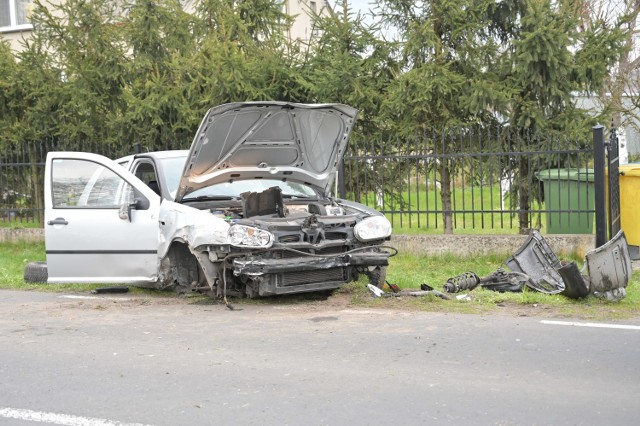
point(110, 290)
point(36, 272)
point(536, 259)
point(608, 269)
point(425, 287)
point(502, 281)
point(614, 295)
point(394, 287)
point(421, 293)
point(609, 266)
point(465, 281)
point(377, 275)
point(575, 285)
point(377, 292)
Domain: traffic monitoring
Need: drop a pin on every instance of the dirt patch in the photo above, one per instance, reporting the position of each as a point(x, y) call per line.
point(349, 297)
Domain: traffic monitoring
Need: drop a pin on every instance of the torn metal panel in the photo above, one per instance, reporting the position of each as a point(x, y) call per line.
point(609, 266)
point(536, 259)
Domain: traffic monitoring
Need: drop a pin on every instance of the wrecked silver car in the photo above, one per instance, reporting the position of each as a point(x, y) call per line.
point(246, 211)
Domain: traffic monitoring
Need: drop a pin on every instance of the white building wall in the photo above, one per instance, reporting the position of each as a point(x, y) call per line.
point(630, 124)
point(16, 35)
point(303, 11)
point(301, 30)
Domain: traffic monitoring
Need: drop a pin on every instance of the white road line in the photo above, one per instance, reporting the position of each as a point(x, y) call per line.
point(58, 419)
point(592, 324)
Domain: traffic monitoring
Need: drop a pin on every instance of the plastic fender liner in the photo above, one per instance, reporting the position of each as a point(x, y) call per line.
point(536, 259)
point(609, 266)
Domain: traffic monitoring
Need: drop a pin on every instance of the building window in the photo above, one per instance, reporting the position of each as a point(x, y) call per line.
point(312, 5)
point(14, 14)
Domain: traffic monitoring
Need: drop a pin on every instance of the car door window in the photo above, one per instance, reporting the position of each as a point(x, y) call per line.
point(145, 171)
point(85, 184)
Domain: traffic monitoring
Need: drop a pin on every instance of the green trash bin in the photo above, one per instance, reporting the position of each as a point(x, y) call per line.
point(568, 193)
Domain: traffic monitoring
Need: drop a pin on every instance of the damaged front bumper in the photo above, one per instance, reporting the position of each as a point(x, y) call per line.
point(271, 266)
point(270, 276)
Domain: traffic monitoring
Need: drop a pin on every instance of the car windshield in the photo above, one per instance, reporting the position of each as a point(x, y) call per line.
point(173, 167)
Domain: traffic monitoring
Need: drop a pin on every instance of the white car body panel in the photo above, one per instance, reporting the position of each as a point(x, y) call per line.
point(187, 224)
point(96, 245)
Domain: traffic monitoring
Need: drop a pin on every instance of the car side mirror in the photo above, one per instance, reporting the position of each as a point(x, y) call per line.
point(125, 210)
point(138, 204)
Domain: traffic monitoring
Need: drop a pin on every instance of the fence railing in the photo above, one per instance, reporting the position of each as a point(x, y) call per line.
point(463, 179)
point(473, 179)
point(22, 174)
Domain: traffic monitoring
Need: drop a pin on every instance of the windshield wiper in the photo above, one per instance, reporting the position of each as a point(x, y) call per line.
point(299, 196)
point(211, 198)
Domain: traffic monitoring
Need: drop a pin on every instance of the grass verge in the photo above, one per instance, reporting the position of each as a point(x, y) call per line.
point(15, 255)
point(406, 270)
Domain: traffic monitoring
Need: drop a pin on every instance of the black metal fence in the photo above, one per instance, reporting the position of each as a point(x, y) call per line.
point(465, 180)
point(473, 179)
point(22, 174)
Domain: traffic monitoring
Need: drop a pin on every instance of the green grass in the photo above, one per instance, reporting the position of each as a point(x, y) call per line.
point(406, 270)
point(19, 224)
point(14, 256)
point(409, 271)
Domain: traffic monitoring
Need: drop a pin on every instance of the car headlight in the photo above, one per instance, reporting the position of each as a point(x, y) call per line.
point(249, 237)
point(373, 228)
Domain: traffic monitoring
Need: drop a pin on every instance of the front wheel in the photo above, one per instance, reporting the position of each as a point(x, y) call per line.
point(378, 276)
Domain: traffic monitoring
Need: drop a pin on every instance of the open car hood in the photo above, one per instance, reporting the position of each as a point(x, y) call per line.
point(270, 140)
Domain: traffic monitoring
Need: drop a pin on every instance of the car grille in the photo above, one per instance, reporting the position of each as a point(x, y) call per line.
point(310, 277)
point(335, 236)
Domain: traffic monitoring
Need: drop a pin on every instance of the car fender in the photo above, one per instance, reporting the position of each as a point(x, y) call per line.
point(194, 227)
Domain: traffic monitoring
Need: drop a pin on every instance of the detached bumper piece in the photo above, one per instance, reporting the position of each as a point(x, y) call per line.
point(608, 269)
point(605, 274)
point(536, 259)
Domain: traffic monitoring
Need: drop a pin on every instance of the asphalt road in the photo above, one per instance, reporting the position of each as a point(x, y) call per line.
point(170, 362)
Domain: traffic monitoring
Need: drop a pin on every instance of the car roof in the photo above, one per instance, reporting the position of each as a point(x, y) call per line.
point(156, 154)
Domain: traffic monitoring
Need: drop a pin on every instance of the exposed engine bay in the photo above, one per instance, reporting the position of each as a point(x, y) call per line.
point(293, 245)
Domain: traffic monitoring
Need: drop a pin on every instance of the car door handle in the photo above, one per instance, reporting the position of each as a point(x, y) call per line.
point(58, 221)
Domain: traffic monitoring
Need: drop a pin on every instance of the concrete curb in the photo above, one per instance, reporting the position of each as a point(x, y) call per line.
point(469, 245)
point(460, 245)
point(32, 235)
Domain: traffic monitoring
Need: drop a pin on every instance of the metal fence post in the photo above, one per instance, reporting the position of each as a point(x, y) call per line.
point(599, 182)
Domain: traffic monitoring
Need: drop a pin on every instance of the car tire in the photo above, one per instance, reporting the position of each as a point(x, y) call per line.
point(378, 276)
point(36, 272)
